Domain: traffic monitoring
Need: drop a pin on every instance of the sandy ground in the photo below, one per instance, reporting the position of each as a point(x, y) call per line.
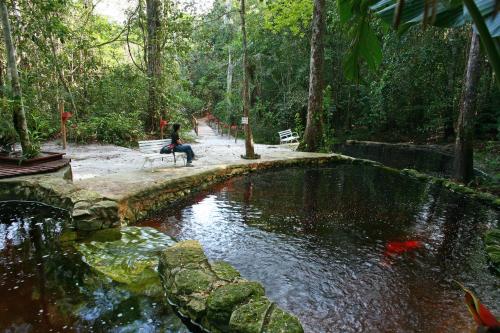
point(95, 160)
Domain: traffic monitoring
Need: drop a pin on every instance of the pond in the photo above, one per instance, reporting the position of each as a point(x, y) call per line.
point(46, 287)
point(347, 248)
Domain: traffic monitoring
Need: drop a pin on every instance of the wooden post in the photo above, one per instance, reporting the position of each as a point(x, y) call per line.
point(63, 124)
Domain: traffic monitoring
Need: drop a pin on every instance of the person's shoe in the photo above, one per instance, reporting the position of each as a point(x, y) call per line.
point(189, 164)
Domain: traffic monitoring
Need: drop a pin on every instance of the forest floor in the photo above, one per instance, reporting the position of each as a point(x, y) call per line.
point(95, 160)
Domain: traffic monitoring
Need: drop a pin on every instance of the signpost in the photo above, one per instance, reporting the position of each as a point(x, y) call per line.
point(163, 123)
point(64, 118)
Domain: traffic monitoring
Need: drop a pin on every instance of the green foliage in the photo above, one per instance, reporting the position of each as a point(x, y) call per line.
point(8, 134)
point(117, 128)
point(365, 46)
point(292, 15)
point(67, 52)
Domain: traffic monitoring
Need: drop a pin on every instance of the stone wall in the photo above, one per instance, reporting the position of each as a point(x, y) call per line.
point(89, 210)
point(429, 159)
point(93, 211)
point(215, 297)
point(163, 193)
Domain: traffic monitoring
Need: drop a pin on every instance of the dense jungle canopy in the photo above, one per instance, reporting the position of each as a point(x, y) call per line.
point(168, 61)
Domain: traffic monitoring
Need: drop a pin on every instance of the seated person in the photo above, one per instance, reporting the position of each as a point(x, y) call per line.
point(180, 146)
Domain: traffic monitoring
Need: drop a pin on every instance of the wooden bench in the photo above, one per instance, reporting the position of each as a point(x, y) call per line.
point(151, 150)
point(288, 136)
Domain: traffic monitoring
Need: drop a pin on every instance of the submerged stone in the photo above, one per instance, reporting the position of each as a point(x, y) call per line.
point(131, 260)
point(105, 235)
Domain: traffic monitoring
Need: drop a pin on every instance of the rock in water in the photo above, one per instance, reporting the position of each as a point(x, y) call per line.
point(131, 259)
point(216, 297)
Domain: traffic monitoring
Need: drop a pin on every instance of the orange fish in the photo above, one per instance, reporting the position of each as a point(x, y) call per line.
point(399, 247)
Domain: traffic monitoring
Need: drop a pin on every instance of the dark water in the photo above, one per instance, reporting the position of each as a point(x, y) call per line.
point(320, 241)
point(45, 286)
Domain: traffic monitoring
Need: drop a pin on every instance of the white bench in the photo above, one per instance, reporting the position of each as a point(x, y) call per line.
point(151, 150)
point(288, 136)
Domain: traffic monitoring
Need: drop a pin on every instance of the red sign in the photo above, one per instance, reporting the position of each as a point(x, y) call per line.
point(163, 123)
point(66, 115)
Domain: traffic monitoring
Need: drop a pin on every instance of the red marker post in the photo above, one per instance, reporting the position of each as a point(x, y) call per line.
point(163, 123)
point(64, 118)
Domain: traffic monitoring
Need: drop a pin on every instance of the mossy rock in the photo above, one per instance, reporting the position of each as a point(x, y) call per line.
point(225, 271)
point(196, 307)
point(189, 281)
point(68, 236)
point(250, 317)
point(104, 235)
point(223, 301)
point(183, 254)
point(492, 240)
point(131, 260)
point(282, 322)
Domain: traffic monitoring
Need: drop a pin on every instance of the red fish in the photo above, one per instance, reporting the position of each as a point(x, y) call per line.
point(399, 247)
point(482, 316)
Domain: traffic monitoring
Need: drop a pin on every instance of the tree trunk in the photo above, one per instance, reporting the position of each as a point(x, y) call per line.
point(19, 116)
point(314, 128)
point(463, 163)
point(246, 89)
point(229, 81)
point(153, 50)
point(449, 130)
point(2, 88)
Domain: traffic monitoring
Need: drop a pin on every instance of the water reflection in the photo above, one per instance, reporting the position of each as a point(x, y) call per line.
point(45, 286)
point(317, 239)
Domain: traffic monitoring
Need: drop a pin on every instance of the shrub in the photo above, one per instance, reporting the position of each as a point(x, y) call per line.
point(117, 128)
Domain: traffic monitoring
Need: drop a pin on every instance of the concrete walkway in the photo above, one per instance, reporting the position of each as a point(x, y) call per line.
point(115, 172)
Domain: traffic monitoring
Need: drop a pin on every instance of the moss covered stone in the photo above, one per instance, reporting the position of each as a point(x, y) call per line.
point(282, 322)
point(250, 317)
point(215, 296)
point(131, 259)
point(189, 281)
point(224, 271)
point(183, 254)
point(224, 300)
point(105, 235)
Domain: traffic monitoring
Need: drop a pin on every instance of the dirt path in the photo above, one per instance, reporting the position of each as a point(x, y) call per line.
point(95, 160)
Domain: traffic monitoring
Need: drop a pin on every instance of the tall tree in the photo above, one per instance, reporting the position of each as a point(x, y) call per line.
point(153, 56)
point(314, 126)
point(19, 115)
point(463, 163)
point(230, 65)
point(249, 150)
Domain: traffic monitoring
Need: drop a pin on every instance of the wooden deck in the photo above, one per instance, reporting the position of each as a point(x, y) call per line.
point(12, 170)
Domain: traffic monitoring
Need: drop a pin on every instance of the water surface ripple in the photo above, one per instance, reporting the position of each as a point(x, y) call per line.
point(320, 241)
